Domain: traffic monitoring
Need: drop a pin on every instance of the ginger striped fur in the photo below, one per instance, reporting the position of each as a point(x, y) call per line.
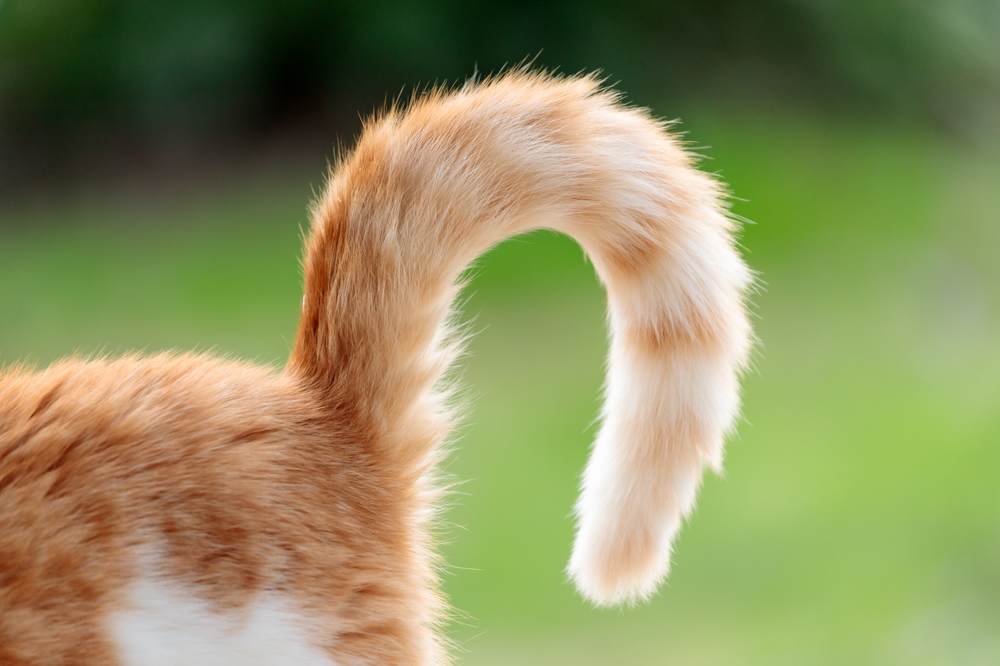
point(166, 509)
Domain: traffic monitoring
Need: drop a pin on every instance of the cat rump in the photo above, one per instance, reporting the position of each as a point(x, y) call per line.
point(161, 509)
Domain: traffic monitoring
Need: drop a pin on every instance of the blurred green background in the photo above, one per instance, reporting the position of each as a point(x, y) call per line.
point(157, 160)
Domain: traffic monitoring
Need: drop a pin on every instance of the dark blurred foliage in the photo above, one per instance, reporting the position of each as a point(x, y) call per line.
point(146, 78)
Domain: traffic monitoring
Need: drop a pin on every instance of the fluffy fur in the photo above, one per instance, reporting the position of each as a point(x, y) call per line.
point(183, 501)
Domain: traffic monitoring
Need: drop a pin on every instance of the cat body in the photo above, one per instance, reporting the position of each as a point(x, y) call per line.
point(182, 509)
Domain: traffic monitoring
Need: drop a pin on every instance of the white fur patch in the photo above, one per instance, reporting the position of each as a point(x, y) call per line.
point(165, 625)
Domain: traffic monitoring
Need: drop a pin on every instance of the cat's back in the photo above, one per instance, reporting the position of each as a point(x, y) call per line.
point(143, 492)
point(111, 426)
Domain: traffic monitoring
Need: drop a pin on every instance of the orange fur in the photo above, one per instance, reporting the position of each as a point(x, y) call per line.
point(316, 482)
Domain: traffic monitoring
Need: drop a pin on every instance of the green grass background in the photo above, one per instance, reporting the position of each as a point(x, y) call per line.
point(858, 519)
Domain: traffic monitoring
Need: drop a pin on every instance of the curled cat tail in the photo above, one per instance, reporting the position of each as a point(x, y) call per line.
point(428, 189)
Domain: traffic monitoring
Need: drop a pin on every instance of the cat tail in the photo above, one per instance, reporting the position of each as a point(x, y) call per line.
point(429, 188)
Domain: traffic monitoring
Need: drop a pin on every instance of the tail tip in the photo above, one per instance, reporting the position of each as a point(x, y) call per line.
point(615, 569)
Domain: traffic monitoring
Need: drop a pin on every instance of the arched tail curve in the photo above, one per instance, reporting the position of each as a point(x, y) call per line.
point(428, 189)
